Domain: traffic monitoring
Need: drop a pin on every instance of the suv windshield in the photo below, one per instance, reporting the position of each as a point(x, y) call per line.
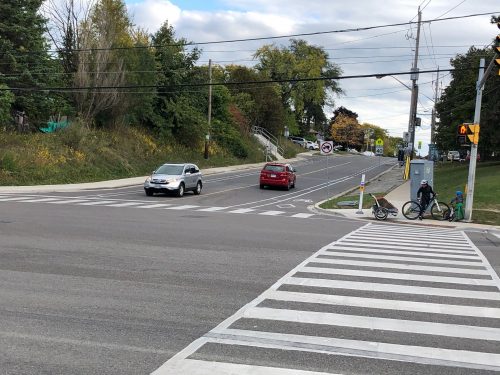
point(170, 169)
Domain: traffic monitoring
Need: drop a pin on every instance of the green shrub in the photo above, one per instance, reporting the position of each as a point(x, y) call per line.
point(8, 162)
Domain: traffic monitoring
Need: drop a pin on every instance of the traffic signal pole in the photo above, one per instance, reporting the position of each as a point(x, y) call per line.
point(473, 150)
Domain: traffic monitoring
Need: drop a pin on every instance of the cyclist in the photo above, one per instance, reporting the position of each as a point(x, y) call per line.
point(424, 196)
point(458, 203)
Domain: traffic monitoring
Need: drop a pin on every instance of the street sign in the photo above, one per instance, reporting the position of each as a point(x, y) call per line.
point(379, 150)
point(326, 147)
point(419, 145)
point(379, 142)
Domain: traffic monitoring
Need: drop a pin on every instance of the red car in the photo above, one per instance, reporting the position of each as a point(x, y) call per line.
point(277, 174)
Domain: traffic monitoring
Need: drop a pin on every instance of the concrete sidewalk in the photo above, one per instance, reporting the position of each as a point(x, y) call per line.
point(397, 198)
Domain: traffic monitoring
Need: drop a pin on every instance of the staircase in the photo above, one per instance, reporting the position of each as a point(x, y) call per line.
point(269, 141)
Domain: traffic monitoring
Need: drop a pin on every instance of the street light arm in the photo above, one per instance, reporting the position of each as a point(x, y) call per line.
point(404, 84)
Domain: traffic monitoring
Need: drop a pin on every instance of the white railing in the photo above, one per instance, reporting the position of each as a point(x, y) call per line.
point(272, 141)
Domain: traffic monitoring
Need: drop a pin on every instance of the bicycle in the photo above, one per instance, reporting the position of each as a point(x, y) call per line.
point(439, 210)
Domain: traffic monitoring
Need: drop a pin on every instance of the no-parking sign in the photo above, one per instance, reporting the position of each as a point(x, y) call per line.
point(326, 147)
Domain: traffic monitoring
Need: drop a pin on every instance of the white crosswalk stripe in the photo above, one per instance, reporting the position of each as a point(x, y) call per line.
point(428, 300)
point(120, 203)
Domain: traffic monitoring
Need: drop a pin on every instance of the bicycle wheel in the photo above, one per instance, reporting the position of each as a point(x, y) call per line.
point(439, 210)
point(381, 213)
point(411, 210)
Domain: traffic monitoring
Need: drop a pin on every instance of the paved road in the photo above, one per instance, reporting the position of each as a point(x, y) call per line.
point(97, 283)
point(410, 302)
point(317, 178)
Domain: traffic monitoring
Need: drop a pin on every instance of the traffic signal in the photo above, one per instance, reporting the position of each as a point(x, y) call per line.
point(467, 134)
point(462, 134)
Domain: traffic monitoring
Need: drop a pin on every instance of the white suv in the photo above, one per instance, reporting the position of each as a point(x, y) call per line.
point(453, 156)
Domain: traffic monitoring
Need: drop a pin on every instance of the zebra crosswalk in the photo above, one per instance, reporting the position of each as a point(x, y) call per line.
point(381, 300)
point(116, 203)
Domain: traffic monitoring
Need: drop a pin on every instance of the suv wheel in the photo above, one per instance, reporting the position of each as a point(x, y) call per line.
point(197, 191)
point(180, 191)
point(149, 192)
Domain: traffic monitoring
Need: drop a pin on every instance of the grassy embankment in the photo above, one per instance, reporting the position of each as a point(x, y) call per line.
point(450, 177)
point(77, 154)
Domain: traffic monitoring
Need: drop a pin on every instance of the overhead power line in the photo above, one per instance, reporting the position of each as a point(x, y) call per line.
point(205, 84)
point(354, 29)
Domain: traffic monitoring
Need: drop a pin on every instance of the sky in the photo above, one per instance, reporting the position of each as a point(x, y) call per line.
point(383, 102)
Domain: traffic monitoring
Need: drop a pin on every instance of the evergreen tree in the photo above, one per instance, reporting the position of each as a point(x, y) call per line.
point(26, 65)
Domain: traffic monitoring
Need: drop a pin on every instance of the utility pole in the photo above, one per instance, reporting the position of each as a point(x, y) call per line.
point(414, 92)
point(473, 148)
point(433, 118)
point(207, 138)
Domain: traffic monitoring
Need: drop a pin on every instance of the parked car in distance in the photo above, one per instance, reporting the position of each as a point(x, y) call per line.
point(277, 174)
point(312, 145)
point(478, 157)
point(174, 178)
point(453, 156)
point(298, 140)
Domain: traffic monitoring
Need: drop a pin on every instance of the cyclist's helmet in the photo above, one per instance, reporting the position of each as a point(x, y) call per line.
point(423, 182)
point(458, 193)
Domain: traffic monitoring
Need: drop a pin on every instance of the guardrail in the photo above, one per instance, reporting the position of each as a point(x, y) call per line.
point(270, 138)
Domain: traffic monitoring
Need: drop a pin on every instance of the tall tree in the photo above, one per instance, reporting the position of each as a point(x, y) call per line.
point(178, 111)
point(457, 104)
point(108, 60)
point(26, 65)
point(345, 128)
point(290, 65)
point(260, 103)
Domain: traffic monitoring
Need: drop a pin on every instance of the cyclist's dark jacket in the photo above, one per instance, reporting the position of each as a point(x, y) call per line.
point(426, 192)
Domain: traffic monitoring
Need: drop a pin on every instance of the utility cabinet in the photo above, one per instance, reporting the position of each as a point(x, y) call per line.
point(420, 170)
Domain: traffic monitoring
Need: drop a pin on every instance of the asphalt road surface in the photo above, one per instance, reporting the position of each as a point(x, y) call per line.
point(239, 279)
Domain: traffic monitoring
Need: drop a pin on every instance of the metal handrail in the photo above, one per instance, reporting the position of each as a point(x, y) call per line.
point(270, 138)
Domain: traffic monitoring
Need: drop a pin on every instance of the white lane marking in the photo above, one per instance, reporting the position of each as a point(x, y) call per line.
point(419, 243)
point(302, 215)
point(406, 247)
point(404, 259)
point(15, 199)
point(411, 229)
point(271, 213)
point(68, 201)
point(453, 236)
point(370, 322)
point(398, 276)
point(386, 304)
point(212, 209)
point(40, 200)
point(355, 250)
point(242, 211)
point(95, 203)
point(77, 343)
point(197, 367)
point(159, 205)
point(183, 207)
point(401, 266)
point(124, 204)
point(393, 288)
point(411, 237)
point(370, 349)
